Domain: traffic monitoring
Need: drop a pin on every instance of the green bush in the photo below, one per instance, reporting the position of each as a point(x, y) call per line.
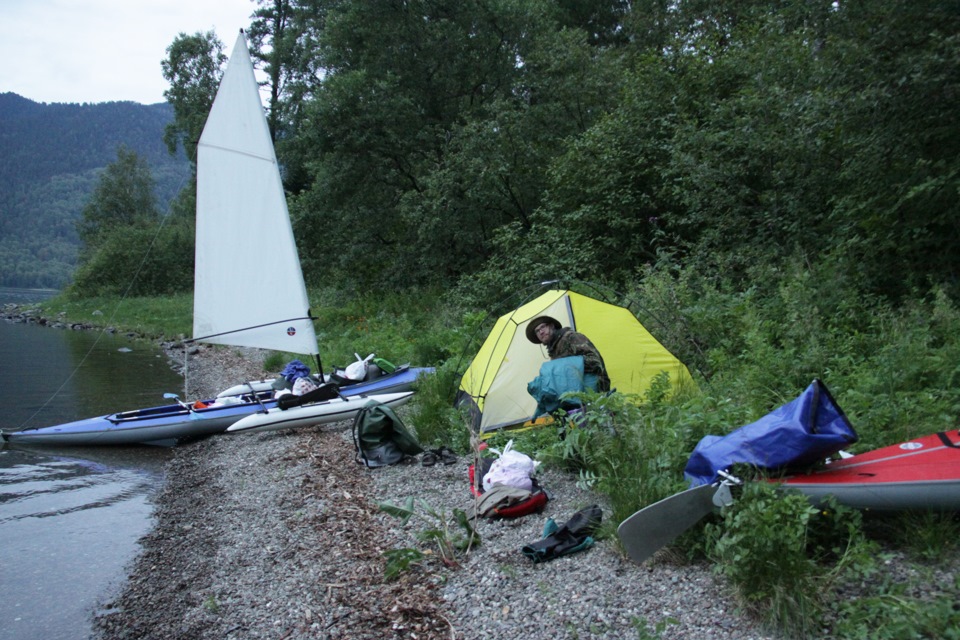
point(138, 261)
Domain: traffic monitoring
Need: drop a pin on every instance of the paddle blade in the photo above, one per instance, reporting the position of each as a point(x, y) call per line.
point(658, 524)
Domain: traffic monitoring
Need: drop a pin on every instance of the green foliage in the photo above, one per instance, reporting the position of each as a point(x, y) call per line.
point(451, 536)
point(763, 546)
point(927, 536)
point(643, 628)
point(192, 68)
point(893, 616)
point(276, 361)
point(138, 261)
point(167, 317)
point(399, 561)
point(128, 249)
point(930, 535)
point(211, 605)
point(123, 197)
point(438, 422)
point(400, 326)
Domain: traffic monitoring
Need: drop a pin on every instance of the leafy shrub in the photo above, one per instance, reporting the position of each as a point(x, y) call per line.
point(432, 413)
point(138, 261)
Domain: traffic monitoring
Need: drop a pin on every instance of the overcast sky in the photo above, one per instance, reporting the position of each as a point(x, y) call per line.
point(103, 50)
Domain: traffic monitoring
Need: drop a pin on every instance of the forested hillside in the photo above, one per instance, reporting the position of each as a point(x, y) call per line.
point(475, 143)
point(481, 141)
point(52, 156)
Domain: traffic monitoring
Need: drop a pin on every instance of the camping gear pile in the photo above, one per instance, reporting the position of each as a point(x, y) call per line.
point(576, 534)
point(505, 486)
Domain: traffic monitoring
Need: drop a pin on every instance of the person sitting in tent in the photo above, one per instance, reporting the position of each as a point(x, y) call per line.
point(563, 342)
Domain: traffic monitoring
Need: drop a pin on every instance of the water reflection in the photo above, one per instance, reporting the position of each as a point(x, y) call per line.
point(69, 525)
point(70, 518)
point(51, 376)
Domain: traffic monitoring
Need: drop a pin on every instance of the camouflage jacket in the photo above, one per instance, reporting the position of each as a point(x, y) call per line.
point(567, 342)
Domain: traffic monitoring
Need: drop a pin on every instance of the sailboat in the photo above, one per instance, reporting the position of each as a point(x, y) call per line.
point(248, 285)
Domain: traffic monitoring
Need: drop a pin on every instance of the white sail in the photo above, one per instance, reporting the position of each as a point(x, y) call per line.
point(248, 285)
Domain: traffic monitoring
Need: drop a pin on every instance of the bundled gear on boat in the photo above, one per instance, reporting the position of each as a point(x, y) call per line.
point(794, 436)
point(572, 536)
point(369, 368)
point(294, 371)
point(380, 437)
point(326, 391)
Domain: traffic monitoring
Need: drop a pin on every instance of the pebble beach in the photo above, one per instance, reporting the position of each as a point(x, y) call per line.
point(279, 535)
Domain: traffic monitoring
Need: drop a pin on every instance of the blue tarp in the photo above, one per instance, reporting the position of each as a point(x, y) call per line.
point(801, 432)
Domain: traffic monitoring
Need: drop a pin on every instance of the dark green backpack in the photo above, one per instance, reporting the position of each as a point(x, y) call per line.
point(380, 436)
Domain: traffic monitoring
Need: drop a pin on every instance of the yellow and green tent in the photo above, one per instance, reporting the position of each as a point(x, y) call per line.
point(494, 386)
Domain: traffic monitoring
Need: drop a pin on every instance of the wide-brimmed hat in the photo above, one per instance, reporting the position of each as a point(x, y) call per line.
point(536, 322)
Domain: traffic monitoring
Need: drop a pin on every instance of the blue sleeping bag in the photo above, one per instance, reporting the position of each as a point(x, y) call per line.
point(557, 378)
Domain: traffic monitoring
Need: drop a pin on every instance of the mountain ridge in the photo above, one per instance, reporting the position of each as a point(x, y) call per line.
point(52, 156)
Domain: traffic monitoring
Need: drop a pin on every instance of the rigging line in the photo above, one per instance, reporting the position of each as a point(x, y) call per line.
point(258, 326)
point(116, 309)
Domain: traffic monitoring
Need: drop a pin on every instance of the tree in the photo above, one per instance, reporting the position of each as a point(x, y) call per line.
point(193, 68)
point(284, 38)
point(434, 126)
point(128, 247)
point(123, 197)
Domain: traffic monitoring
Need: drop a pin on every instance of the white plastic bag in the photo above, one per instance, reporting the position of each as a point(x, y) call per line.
point(357, 371)
point(512, 468)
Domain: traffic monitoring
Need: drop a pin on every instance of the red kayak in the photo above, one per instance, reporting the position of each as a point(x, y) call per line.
point(919, 474)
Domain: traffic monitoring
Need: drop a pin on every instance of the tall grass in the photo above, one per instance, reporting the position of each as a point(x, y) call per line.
point(156, 317)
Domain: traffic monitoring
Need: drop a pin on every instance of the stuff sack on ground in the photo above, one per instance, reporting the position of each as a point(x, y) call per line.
point(509, 502)
point(572, 536)
point(380, 437)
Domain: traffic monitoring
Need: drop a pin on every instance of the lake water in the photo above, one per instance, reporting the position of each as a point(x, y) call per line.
point(70, 518)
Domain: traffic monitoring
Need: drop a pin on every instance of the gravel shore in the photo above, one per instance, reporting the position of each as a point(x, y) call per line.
point(278, 535)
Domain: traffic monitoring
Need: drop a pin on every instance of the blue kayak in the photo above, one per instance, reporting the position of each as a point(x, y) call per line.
point(171, 424)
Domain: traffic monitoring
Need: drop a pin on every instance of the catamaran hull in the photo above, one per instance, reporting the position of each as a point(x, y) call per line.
point(313, 414)
point(919, 474)
point(170, 424)
point(164, 426)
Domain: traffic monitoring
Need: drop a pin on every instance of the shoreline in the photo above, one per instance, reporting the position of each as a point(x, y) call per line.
point(278, 535)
